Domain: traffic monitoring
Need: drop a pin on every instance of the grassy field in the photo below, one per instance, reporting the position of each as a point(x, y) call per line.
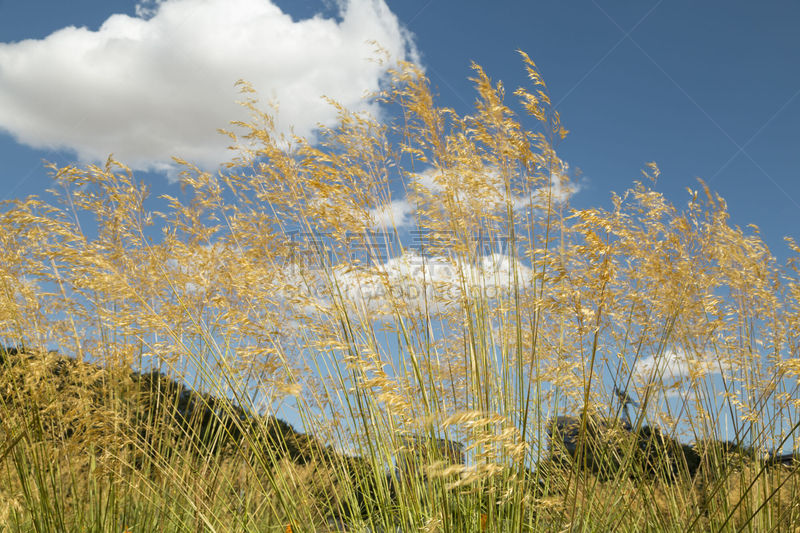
point(155, 340)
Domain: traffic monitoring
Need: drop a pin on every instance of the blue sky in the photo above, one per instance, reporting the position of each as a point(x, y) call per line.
point(705, 89)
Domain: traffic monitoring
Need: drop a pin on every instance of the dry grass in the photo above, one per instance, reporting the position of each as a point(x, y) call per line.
point(284, 281)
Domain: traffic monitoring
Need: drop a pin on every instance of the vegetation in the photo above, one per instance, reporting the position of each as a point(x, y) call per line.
point(291, 283)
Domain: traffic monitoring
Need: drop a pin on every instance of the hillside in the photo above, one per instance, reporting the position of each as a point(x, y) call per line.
point(147, 426)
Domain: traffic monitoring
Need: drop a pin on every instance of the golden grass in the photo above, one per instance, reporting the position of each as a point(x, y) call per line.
point(261, 284)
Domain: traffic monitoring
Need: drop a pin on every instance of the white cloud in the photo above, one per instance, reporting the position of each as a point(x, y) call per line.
point(420, 282)
point(434, 182)
point(396, 214)
point(674, 366)
point(160, 84)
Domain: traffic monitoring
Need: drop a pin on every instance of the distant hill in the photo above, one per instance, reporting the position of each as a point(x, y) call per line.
point(76, 401)
point(608, 445)
point(80, 406)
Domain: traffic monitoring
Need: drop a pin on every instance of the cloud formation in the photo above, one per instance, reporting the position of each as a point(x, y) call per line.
point(160, 84)
point(433, 182)
point(418, 281)
point(396, 214)
point(674, 366)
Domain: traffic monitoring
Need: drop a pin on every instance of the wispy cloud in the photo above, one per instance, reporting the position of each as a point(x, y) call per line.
point(434, 182)
point(411, 281)
point(396, 214)
point(160, 84)
point(674, 366)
